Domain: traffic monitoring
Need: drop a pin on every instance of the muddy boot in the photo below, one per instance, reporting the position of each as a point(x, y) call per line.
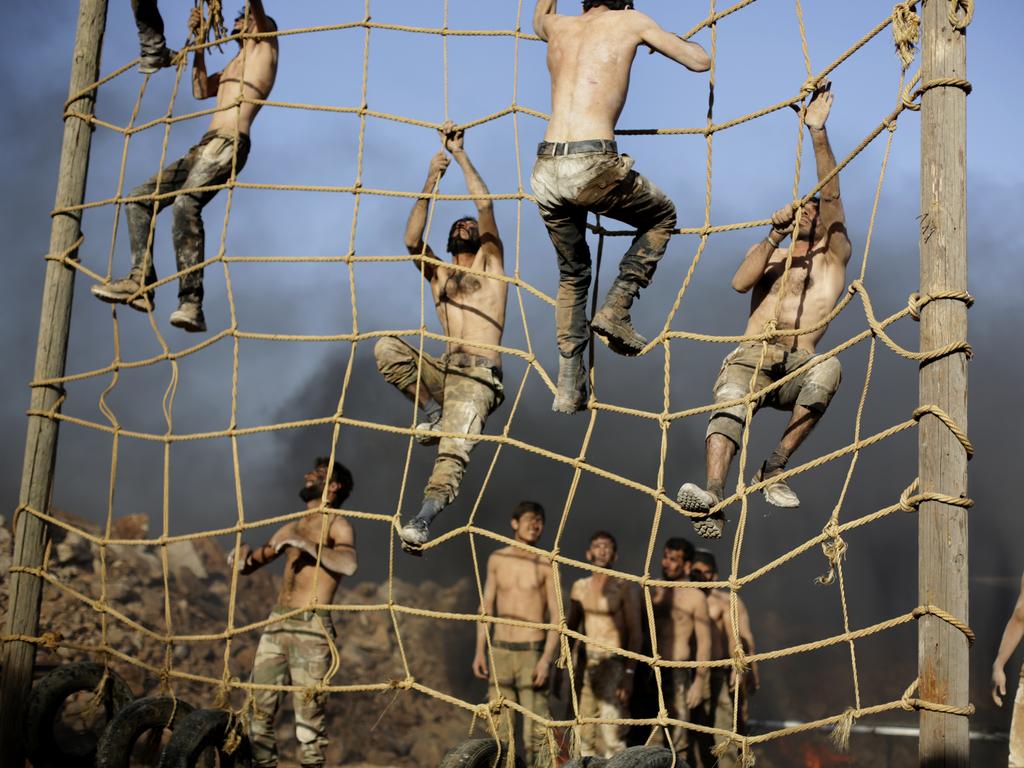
point(416, 532)
point(572, 385)
point(426, 430)
point(151, 61)
point(612, 321)
point(189, 317)
point(778, 494)
point(693, 498)
point(124, 290)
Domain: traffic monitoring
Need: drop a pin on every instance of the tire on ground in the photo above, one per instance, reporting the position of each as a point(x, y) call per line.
point(131, 723)
point(646, 757)
point(587, 762)
point(478, 753)
point(201, 730)
point(50, 693)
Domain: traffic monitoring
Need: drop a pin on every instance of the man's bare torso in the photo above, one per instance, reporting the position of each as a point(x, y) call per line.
point(674, 619)
point(300, 570)
point(521, 593)
point(815, 281)
point(718, 612)
point(471, 308)
point(251, 73)
point(589, 58)
point(604, 609)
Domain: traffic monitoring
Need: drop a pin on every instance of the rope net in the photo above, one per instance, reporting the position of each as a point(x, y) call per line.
point(902, 22)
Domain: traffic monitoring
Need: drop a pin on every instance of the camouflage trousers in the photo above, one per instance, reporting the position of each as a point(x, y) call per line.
point(590, 176)
point(208, 163)
point(467, 387)
point(513, 669)
point(600, 699)
point(716, 710)
point(151, 26)
point(295, 651)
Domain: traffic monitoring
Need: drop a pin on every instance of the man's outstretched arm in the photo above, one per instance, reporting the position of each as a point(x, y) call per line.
point(490, 242)
point(754, 264)
point(690, 55)
point(259, 15)
point(417, 222)
point(831, 215)
point(1012, 635)
point(541, 13)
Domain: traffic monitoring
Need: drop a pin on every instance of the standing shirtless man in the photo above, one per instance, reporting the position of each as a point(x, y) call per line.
point(681, 621)
point(717, 709)
point(579, 169)
point(1012, 635)
point(457, 392)
point(219, 155)
point(609, 610)
point(297, 649)
point(520, 586)
point(818, 257)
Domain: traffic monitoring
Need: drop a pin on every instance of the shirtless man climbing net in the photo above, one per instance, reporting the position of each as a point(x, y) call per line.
point(816, 278)
point(297, 649)
point(456, 392)
point(579, 170)
point(221, 152)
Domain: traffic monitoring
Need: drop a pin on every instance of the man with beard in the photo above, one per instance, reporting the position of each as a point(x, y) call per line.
point(1012, 635)
point(717, 708)
point(681, 622)
point(815, 270)
point(609, 610)
point(579, 170)
point(458, 391)
point(520, 586)
point(219, 155)
point(319, 549)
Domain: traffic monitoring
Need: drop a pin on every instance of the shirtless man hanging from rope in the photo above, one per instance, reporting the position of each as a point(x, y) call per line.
point(220, 154)
point(297, 650)
point(579, 170)
point(609, 611)
point(717, 708)
point(520, 585)
point(816, 278)
point(458, 391)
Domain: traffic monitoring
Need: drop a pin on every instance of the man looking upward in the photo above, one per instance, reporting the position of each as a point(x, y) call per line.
point(580, 170)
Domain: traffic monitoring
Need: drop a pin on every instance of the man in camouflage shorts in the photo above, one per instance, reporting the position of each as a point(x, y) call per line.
point(297, 647)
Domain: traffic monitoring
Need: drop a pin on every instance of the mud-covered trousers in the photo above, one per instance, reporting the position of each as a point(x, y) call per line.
point(513, 669)
point(467, 387)
point(295, 651)
point(599, 699)
point(574, 178)
point(151, 26)
point(208, 163)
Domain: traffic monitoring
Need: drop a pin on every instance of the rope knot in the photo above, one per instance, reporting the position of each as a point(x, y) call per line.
point(906, 26)
point(834, 548)
point(908, 499)
point(739, 660)
point(906, 701)
point(842, 729)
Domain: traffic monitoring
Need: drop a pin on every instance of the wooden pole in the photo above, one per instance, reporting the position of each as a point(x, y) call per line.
point(942, 528)
point(18, 657)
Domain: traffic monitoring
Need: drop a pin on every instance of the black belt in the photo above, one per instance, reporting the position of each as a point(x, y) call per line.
point(529, 645)
point(554, 148)
point(468, 360)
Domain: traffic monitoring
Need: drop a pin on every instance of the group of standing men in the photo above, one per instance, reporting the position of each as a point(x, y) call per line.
point(692, 624)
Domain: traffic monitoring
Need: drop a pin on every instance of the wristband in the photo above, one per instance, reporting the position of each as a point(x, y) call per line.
point(630, 671)
point(772, 243)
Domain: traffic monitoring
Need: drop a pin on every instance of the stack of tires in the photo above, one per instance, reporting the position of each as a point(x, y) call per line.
point(488, 753)
point(128, 721)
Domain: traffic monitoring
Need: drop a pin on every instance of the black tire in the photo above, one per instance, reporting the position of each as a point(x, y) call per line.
point(646, 757)
point(478, 753)
point(587, 762)
point(141, 716)
point(49, 694)
point(201, 730)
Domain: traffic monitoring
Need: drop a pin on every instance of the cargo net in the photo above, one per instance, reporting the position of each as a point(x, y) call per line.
point(902, 23)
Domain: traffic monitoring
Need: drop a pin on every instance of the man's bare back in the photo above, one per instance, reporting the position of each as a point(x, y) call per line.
point(250, 75)
point(590, 58)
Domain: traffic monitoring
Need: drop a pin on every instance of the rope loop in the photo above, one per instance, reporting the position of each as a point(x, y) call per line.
point(951, 425)
point(960, 22)
point(953, 621)
point(908, 499)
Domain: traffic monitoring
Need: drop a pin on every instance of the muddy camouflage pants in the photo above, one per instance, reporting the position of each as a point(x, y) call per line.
point(513, 669)
point(208, 163)
point(295, 651)
point(151, 26)
point(467, 387)
point(600, 699)
point(601, 181)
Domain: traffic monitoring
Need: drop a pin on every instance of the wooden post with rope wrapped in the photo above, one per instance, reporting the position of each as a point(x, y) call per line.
point(18, 656)
point(942, 528)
